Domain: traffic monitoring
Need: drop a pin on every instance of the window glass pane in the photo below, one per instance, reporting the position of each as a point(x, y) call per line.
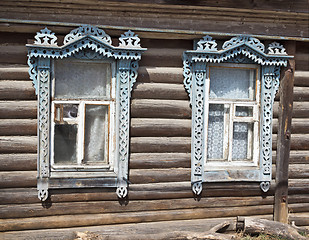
point(82, 79)
point(232, 83)
point(65, 143)
point(244, 111)
point(96, 132)
point(215, 131)
point(242, 141)
point(70, 111)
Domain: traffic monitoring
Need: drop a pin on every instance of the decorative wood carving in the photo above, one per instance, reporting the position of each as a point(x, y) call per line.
point(85, 42)
point(240, 49)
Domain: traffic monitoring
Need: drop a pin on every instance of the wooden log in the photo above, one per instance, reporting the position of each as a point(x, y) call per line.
point(160, 91)
point(160, 75)
point(299, 207)
point(14, 72)
point(18, 109)
point(16, 90)
point(141, 229)
point(299, 125)
point(162, 57)
point(302, 60)
point(18, 162)
point(299, 157)
point(153, 108)
point(94, 207)
point(158, 127)
point(298, 171)
point(159, 160)
point(17, 179)
point(301, 94)
point(18, 127)
point(300, 110)
point(13, 54)
point(18, 144)
point(300, 219)
point(301, 78)
point(284, 143)
point(64, 221)
point(298, 141)
point(160, 144)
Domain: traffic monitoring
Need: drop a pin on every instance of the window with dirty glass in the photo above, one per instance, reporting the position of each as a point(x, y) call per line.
point(83, 89)
point(232, 92)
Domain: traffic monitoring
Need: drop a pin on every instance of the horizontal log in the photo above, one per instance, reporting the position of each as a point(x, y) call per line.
point(298, 141)
point(157, 127)
point(130, 217)
point(18, 162)
point(18, 144)
point(300, 110)
point(153, 108)
point(123, 230)
point(299, 125)
point(301, 78)
point(160, 144)
point(159, 160)
point(17, 90)
point(299, 207)
point(13, 54)
point(300, 219)
point(14, 72)
point(163, 57)
point(18, 179)
point(18, 127)
point(302, 61)
point(296, 156)
point(297, 171)
point(18, 109)
point(36, 210)
point(160, 75)
point(301, 93)
point(160, 91)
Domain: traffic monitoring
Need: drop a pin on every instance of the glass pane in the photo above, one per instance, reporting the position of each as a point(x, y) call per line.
point(244, 111)
point(96, 132)
point(232, 83)
point(65, 144)
point(242, 141)
point(70, 111)
point(82, 79)
point(215, 131)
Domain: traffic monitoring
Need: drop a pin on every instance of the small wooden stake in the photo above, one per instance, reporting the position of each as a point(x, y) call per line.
point(284, 141)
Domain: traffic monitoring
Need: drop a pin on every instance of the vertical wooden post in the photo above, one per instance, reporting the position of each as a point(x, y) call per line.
point(284, 140)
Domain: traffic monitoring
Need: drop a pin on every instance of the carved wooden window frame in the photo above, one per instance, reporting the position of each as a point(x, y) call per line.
point(240, 49)
point(92, 43)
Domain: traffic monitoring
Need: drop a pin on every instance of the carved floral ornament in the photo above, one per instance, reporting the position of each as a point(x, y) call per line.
point(84, 42)
point(240, 49)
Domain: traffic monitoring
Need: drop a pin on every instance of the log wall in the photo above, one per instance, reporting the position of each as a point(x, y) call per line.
point(160, 193)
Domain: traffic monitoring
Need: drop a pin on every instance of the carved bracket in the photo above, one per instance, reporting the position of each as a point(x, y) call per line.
point(85, 42)
point(239, 49)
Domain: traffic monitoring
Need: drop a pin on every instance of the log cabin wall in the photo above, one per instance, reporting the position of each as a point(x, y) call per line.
point(160, 193)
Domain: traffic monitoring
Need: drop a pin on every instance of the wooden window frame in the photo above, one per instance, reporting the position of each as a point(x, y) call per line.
point(92, 44)
point(238, 50)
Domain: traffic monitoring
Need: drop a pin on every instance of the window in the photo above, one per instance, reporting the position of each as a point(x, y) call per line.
point(83, 90)
point(232, 92)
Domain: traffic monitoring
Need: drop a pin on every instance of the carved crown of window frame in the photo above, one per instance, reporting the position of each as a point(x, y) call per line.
point(239, 49)
point(85, 42)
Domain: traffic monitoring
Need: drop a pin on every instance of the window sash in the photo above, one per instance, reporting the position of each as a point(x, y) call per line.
point(230, 118)
point(80, 121)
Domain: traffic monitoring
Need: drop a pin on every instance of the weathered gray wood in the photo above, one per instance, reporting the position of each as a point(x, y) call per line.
point(18, 144)
point(160, 144)
point(153, 108)
point(301, 219)
point(159, 160)
point(301, 78)
point(16, 90)
point(18, 127)
point(94, 207)
point(160, 91)
point(300, 110)
point(129, 217)
point(298, 141)
point(302, 60)
point(299, 125)
point(161, 57)
point(18, 109)
point(263, 226)
point(297, 171)
point(160, 75)
point(14, 72)
point(284, 142)
point(157, 127)
point(135, 230)
point(13, 54)
point(18, 162)
point(18, 179)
